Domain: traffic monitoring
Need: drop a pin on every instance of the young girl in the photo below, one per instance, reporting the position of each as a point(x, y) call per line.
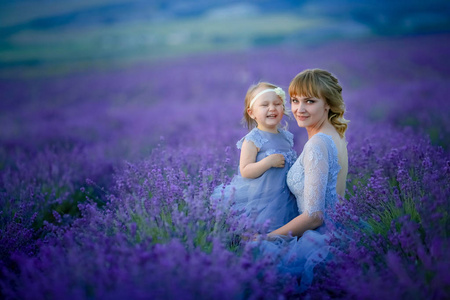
point(260, 190)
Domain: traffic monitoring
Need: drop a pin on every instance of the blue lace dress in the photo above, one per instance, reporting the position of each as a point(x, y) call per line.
point(266, 199)
point(312, 179)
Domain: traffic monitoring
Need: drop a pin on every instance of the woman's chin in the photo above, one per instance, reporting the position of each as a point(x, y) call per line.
point(301, 123)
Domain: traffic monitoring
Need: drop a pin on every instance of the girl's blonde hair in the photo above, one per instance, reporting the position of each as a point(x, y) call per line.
point(322, 84)
point(247, 120)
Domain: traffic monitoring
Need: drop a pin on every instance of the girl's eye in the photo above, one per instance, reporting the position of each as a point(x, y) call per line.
point(310, 101)
point(294, 100)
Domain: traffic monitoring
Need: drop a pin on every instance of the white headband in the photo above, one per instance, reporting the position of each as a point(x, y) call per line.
point(279, 91)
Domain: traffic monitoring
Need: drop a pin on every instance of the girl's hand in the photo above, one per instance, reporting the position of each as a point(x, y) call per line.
point(276, 160)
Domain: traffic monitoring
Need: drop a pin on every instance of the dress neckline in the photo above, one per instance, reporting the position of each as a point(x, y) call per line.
point(279, 131)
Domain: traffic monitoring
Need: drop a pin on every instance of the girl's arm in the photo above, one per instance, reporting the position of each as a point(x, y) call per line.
point(248, 166)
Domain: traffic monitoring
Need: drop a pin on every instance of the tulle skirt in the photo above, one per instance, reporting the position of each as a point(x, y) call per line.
point(298, 256)
point(266, 199)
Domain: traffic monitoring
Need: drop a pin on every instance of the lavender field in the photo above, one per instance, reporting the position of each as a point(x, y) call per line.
point(105, 177)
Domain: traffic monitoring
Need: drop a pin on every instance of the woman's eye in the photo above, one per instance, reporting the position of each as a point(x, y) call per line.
point(310, 101)
point(294, 100)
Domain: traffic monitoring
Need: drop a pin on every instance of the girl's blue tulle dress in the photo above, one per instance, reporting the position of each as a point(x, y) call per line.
point(312, 179)
point(281, 194)
point(266, 199)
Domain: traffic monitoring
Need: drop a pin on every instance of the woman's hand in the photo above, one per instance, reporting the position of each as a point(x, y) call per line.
point(249, 237)
point(256, 237)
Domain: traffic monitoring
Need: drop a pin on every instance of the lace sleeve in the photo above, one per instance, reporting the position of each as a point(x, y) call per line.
point(253, 136)
point(316, 165)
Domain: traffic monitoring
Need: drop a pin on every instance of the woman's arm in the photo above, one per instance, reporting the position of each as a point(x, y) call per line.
point(248, 166)
point(299, 225)
point(315, 162)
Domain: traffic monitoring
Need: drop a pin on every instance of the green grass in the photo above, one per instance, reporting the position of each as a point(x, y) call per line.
point(147, 228)
point(388, 211)
point(391, 212)
point(67, 207)
point(65, 49)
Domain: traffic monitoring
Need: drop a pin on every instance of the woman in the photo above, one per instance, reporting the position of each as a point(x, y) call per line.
point(319, 174)
point(317, 177)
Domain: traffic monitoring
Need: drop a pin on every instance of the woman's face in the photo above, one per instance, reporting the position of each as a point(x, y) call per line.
point(310, 112)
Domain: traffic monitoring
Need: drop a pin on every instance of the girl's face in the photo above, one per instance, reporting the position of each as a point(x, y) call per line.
point(310, 112)
point(267, 111)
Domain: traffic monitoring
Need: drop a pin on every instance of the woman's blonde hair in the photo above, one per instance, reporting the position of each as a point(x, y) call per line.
point(247, 120)
point(322, 84)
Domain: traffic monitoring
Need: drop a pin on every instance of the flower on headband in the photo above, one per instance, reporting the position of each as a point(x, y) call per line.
point(279, 91)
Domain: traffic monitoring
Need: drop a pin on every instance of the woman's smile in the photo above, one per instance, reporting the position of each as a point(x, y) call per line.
point(302, 118)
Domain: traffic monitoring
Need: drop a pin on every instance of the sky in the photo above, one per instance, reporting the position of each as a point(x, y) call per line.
point(41, 36)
